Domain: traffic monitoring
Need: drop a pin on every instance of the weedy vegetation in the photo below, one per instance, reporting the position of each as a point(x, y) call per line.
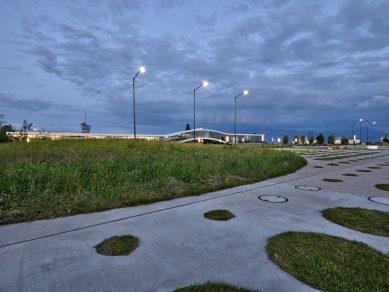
point(49, 179)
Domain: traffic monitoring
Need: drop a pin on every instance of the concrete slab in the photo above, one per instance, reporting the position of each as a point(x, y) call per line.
point(178, 246)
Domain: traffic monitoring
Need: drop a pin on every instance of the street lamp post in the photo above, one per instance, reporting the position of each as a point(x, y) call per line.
point(353, 132)
point(245, 93)
point(141, 70)
point(205, 83)
point(361, 122)
point(367, 131)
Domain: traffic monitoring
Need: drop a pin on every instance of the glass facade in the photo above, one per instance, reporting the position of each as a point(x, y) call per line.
point(212, 136)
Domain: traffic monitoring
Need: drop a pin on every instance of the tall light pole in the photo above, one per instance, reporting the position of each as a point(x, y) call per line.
point(367, 131)
point(360, 131)
point(353, 132)
point(141, 70)
point(205, 83)
point(360, 128)
point(244, 92)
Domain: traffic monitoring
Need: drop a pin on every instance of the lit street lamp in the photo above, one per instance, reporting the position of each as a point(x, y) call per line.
point(245, 93)
point(367, 131)
point(141, 70)
point(360, 130)
point(205, 83)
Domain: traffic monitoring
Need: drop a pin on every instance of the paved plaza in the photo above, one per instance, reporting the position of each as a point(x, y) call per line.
point(179, 247)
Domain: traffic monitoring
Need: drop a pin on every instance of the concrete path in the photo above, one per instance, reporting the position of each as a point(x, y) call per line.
point(179, 247)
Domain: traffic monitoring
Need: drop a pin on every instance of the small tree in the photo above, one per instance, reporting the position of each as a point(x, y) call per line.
point(385, 139)
point(2, 122)
point(302, 138)
point(320, 139)
point(344, 141)
point(23, 130)
point(187, 128)
point(4, 128)
point(331, 139)
point(311, 138)
point(286, 139)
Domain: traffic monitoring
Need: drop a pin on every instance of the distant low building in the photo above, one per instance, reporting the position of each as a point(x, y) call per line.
point(205, 136)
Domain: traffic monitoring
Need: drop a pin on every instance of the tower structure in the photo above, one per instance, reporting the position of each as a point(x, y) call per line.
point(85, 128)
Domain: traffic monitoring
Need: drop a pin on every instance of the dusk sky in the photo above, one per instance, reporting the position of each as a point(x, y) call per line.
point(308, 65)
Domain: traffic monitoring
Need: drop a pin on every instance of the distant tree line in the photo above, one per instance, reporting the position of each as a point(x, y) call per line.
point(310, 138)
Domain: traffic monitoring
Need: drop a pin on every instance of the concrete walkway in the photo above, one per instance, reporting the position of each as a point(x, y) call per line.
point(179, 247)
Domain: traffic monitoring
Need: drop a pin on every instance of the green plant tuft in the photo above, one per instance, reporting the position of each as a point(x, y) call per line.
point(223, 215)
point(330, 263)
point(332, 180)
point(349, 174)
point(118, 245)
point(212, 287)
point(367, 221)
point(384, 187)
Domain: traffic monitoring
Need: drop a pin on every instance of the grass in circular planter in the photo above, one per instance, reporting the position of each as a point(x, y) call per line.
point(374, 167)
point(330, 263)
point(349, 174)
point(118, 245)
point(212, 287)
point(363, 170)
point(367, 221)
point(344, 162)
point(333, 164)
point(318, 166)
point(222, 215)
point(332, 180)
point(384, 187)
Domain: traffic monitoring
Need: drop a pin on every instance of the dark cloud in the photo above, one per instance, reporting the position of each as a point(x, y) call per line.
point(10, 101)
point(304, 64)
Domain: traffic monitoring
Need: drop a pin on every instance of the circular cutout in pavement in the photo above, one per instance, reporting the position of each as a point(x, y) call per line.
point(273, 199)
point(380, 200)
point(308, 188)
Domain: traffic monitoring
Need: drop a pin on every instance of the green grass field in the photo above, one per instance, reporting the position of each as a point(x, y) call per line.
point(49, 179)
point(330, 263)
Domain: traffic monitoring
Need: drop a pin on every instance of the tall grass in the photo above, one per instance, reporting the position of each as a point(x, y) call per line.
point(48, 179)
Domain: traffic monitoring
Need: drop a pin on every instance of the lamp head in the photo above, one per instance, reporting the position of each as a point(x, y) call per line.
point(205, 83)
point(245, 92)
point(373, 123)
point(142, 69)
point(360, 120)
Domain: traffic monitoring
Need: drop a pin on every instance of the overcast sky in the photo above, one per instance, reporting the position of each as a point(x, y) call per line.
point(308, 65)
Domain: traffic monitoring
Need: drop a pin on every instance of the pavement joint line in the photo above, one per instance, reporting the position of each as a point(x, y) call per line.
point(169, 208)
